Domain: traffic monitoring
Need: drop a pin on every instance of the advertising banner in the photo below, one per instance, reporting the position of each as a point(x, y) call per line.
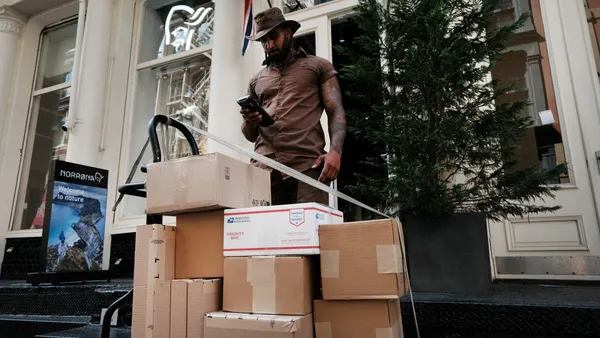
point(75, 217)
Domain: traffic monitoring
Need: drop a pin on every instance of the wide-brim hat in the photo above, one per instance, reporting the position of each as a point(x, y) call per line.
point(269, 19)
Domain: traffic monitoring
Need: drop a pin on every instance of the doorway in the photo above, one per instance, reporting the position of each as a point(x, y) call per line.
point(356, 150)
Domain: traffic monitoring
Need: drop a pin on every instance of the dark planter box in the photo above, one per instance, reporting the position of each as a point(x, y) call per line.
point(449, 254)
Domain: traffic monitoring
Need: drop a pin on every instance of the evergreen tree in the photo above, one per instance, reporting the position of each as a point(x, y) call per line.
point(423, 67)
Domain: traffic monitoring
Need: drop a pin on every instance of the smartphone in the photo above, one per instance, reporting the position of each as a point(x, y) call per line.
point(251, 104)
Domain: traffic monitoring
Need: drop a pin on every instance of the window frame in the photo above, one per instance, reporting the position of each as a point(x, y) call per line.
point(30, 128)
point(123, 223)
point(539, 47)
point(20, 104)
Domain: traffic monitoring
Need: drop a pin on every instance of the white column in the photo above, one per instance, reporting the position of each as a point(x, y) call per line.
point(535, 84)
point(90, 96)
point(11, 26)
point(227, 77)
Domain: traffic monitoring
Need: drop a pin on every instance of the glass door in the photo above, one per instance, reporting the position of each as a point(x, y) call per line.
point(547, 60)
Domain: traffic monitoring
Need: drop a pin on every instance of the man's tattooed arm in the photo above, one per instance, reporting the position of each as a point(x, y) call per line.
point(332, 97)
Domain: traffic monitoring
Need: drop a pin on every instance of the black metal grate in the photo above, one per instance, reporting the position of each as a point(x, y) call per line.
point(21, 256)
point(19, 328)
point(122, 251)
point(63, 300)
point(508, 311)
point(29, 311)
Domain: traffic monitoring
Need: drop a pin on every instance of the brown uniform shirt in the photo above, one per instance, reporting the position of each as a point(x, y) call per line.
point(292, 96)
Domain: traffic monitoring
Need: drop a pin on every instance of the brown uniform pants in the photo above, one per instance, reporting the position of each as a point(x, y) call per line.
point(291, 191)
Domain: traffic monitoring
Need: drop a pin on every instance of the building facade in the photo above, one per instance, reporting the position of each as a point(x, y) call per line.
point(100, 69)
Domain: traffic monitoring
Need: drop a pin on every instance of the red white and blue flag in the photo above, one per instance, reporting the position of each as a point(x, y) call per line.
point(247, 24)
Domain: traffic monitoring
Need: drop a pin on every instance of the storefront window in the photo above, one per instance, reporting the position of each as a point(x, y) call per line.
point(49, 109)
point(297, 5)
point(173, 27)
point(526, 67)
point(180, 91)
point(173, 79)
point(56, 56)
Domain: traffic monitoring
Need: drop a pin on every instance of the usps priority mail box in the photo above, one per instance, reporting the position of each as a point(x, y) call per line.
point(291, 229)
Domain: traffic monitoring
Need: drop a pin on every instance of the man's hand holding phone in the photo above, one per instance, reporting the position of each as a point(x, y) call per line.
point(252, 117)
point(253, 112)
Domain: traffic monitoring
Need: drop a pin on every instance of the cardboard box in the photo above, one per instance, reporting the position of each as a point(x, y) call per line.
point(199, 251)
point(154, 261)
point(162, 309)
point(162, 251)
point(276, 230)
point(268, 285)
point(236, 325)
point(358, 318)
point(361, 260)
point(143, 237)
point(204, 296)
point(179, 308)
point(205, 182)
point(140, 280)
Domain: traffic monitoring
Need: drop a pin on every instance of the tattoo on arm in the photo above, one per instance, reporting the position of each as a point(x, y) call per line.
point(332, 97)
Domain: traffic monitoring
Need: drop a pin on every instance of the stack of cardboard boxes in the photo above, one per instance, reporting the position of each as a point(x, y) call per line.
point(234, 266)
point(178, 270)
point(362, 278)
point(271, 271)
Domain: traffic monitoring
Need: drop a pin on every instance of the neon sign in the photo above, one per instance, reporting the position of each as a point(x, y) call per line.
point(193, 33)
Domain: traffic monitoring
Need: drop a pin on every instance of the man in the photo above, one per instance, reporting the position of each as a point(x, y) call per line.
point(294, 88)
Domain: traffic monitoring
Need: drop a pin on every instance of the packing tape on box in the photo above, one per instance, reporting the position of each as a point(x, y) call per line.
point(261, 275)
point(390, 332)
point(330, 263)
point(323, 330)
point(180, 188)
point(312, 182)
point(389, 258)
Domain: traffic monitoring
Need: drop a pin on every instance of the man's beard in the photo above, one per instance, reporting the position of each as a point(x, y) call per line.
point(280, 55)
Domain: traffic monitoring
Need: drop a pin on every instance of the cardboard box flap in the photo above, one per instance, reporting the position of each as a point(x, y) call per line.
point(244, 321)
point(393, 262)
point(261, 275)
point(394, 321)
